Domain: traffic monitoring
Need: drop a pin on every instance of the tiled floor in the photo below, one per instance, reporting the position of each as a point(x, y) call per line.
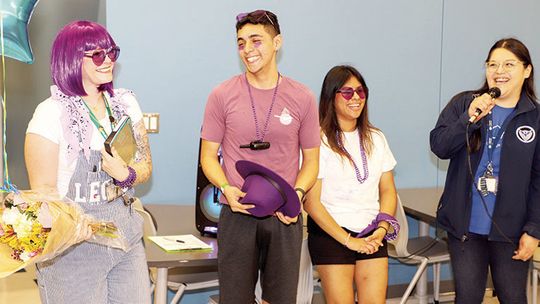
point(21, 288)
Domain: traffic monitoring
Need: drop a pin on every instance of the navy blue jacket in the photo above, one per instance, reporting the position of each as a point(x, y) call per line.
point(517, 206)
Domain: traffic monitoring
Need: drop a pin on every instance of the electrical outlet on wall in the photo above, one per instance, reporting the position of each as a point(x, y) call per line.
point(151, 122)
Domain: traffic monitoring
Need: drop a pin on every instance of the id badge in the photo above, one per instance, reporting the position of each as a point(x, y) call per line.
point(487, 184)
point(482, 187)
point(491, 184)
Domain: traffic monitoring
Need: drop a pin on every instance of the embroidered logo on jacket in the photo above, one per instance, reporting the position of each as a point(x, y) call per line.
point(525, 134)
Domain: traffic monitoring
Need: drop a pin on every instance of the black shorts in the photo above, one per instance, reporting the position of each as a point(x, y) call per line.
point(325, 250)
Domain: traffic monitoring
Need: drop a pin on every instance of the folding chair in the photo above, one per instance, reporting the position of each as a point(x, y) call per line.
point(535, 274)
point(420, 251)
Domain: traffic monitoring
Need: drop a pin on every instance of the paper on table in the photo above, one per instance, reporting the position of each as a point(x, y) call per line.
point(184, 242)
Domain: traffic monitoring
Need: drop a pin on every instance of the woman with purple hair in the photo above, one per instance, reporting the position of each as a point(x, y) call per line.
point(64, 151)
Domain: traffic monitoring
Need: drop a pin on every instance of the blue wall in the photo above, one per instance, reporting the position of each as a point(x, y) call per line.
point(414, 54)
point(175, 52)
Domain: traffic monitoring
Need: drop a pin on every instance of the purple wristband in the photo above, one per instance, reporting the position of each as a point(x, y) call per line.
point(390, 220)
point(129, 181)
point(374, 224)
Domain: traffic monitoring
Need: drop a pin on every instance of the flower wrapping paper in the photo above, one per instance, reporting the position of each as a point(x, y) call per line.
point(38, 226)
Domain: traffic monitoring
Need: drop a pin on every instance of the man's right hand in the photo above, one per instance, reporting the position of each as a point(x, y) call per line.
point(233, 194)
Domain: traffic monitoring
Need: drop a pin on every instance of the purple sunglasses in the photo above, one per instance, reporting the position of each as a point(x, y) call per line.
point(348, 92)
point(98, 56)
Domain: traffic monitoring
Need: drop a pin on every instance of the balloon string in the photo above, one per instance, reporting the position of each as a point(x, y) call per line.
point(7, 186)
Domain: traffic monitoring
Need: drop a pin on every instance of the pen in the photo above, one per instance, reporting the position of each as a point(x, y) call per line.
point(175, 240)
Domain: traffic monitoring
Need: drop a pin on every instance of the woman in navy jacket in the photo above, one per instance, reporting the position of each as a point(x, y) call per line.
point(492, 219)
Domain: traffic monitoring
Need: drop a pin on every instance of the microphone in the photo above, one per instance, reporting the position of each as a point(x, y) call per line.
point(494, 93)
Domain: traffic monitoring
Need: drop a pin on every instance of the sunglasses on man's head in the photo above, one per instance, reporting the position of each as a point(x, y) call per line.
point(98, 56)
point(258, 14)
point(348, 92)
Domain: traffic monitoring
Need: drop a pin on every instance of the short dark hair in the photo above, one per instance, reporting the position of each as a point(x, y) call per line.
point(266, 18)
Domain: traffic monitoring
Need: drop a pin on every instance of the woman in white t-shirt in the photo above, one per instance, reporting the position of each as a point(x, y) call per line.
point(64, 151)
point(351, 206)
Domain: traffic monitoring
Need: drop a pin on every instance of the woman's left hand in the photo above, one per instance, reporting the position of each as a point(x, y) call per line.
point(527, 246)
point(114, 165)
point(376, 238)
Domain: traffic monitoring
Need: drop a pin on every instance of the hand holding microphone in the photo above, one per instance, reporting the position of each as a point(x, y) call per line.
point(482, 104)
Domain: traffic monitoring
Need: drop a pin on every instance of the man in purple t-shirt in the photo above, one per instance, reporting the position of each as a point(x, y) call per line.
point(260, 105)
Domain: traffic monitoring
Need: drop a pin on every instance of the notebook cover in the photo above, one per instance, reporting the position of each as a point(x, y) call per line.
point(122, 139)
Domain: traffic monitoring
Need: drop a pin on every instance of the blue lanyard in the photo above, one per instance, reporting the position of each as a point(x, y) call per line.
point(492, 142)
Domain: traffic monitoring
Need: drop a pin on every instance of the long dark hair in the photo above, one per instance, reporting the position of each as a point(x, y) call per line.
point(333, 81)
point(522, 53)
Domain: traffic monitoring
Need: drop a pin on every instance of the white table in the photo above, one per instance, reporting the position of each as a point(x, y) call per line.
point(171, 220)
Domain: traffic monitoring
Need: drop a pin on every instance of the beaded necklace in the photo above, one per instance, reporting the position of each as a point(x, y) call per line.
point(260, 135)
point(94, 119)
point(361, 179)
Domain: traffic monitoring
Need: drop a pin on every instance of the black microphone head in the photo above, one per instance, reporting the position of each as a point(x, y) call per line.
point(494, 92)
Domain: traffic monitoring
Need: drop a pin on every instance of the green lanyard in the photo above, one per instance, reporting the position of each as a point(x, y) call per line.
point(94, 119)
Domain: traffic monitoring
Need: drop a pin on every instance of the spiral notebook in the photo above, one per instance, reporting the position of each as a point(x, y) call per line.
point(183, 242)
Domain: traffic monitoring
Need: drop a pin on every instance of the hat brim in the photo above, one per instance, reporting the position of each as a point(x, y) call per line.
point(291, 208)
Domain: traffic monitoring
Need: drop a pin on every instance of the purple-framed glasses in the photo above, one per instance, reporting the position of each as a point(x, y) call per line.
point(98, 56)
point(348, 92)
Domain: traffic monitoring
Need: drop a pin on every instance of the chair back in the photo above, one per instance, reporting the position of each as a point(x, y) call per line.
point(149, 229)
point(536, 258)
point(398, 247)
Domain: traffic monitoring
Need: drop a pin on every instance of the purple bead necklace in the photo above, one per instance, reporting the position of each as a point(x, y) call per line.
point(259, 135)
point(359, 177)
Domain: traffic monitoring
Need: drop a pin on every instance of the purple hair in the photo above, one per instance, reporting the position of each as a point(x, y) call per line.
point(67, 54)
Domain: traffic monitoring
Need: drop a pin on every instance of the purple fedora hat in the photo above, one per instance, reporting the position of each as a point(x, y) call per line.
point(268, 191)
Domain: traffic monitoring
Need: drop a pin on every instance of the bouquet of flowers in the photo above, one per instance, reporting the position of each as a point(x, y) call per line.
point(38, 226)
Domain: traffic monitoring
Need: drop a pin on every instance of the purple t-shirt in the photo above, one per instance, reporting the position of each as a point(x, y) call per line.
point(293, 125)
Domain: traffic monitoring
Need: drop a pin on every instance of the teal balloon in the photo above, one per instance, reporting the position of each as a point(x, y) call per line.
point(16, 15)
